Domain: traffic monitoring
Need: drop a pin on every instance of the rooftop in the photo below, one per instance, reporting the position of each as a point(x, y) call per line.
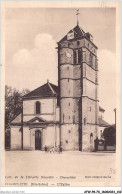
point(101, 109)
point(46, 90)
point(103, 123)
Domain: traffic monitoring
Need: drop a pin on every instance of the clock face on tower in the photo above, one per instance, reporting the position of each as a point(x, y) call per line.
point(68, 54)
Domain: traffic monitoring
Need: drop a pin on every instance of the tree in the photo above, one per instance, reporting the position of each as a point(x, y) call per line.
point(109, 135)
point(13, 103)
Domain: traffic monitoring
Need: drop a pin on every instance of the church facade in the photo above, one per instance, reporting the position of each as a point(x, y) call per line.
point(65, 115)
point(38, 124)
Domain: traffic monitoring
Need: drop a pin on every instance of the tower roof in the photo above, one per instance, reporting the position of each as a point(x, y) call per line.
point(78, 33)
point(46, 90)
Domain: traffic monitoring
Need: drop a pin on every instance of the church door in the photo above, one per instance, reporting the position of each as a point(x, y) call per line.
point(37, 140)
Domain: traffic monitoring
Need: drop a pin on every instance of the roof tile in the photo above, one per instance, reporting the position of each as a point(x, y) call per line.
point(45, 90)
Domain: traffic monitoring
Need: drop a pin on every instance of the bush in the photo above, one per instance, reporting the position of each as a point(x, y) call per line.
point(109, 135)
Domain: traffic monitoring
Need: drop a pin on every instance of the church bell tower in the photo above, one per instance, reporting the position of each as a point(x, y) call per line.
point(78, 85)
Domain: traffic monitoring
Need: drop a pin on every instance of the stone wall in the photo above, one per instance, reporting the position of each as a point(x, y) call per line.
point(16, 138)
point(69, 137)
point(64, 59)
point(77, 71)
point(66, 88)
point(89, 124)
point(66, 71)
point(48, 110)
point(77, 88)
point(89, 135)
point(88, 72)
point(29, 106)
point(90, 47)
point(26, 138)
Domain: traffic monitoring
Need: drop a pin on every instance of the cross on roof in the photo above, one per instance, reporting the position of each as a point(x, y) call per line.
point(77, 16)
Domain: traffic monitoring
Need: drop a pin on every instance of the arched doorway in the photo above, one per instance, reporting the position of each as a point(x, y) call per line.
point(37, 140)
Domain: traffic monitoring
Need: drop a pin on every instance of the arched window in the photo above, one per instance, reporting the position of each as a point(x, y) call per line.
point(38, 107)
point(78, 43)
point(91, 137)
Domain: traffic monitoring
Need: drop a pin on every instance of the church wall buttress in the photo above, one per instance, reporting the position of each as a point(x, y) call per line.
point(89, 99)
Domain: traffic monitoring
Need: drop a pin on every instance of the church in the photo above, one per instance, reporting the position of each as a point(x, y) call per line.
point(66, 115)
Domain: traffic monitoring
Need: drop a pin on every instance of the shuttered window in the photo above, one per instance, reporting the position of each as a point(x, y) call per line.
point(75, 57)
point(79, 56)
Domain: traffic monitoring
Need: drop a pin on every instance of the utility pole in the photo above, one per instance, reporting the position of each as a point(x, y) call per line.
point(115, 116)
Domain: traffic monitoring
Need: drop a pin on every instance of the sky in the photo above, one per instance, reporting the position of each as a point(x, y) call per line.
point(31, 36)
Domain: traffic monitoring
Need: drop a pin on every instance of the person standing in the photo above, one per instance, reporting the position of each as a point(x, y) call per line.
point(96, 141)
point(45, 148)
point(60, 149)
point(50, 149)
point(53, 149)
